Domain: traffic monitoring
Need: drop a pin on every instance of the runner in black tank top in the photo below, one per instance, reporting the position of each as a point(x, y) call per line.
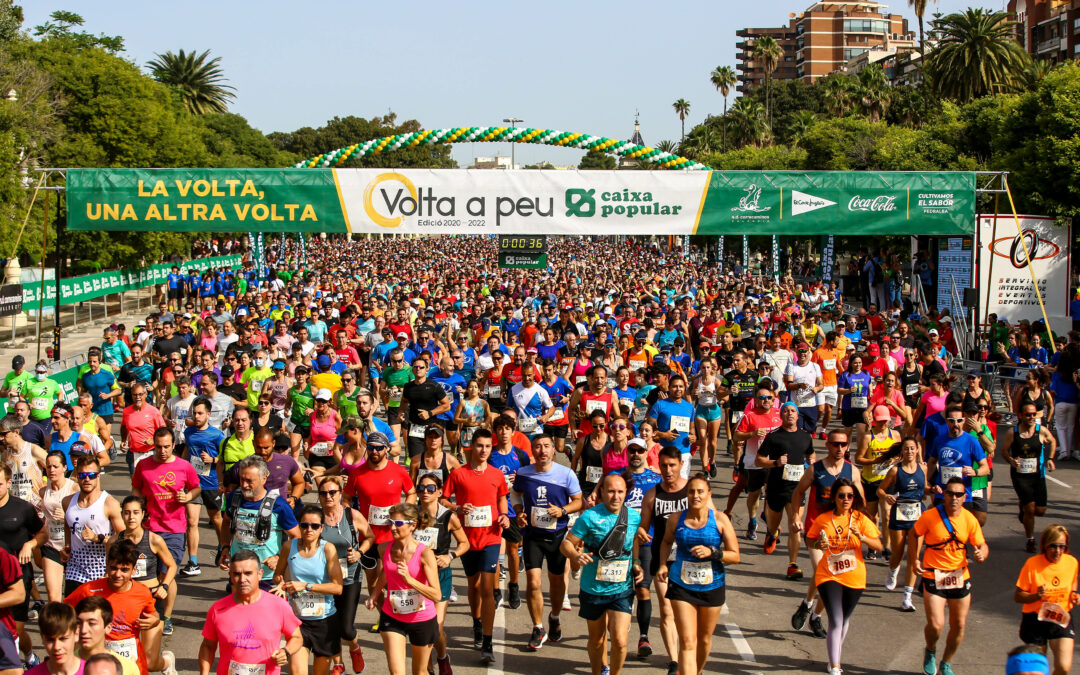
point(1028, 448)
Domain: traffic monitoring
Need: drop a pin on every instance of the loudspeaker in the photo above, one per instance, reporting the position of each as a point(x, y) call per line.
point(971, 297)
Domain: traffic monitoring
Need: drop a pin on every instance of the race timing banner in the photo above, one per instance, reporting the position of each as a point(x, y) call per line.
point(464, 201)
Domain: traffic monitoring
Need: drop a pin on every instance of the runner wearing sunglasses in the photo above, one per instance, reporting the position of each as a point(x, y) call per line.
point(1046, 588)
point(1029, 448)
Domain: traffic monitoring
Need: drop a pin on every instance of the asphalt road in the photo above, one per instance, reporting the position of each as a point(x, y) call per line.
point(754, 633)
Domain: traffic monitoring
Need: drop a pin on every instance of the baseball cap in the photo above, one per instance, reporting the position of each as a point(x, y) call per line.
point(323, 361)
point(18, 362)
point(41, 368)
point(802, 346)
point(637, 443)
point(323, 395)
point(874, 350)
point(946, 319)
point(881, 413)
point(932, 331)
point(641, 335)
point(434, 429)
point(279, 365)
point(402, 334)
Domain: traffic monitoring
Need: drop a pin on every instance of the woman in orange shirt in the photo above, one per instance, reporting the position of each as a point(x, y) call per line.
point(841, 572)
point(1047, 589)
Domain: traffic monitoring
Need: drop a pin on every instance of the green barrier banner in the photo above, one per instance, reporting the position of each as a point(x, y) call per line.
point(91, 286)
point(461, 201)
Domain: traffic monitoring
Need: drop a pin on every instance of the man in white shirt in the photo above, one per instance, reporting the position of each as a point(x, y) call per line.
point(804, 380)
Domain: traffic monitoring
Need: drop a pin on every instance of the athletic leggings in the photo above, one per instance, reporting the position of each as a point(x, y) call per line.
point(839, 602)
point(345, 608)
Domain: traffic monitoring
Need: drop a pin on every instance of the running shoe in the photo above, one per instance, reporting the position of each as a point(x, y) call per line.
point(946, 669)
point(575, 574)
point(190, 569)
point(929, 662)
point(793, 572)
point(453, 595)
point(871, 554)
point(644, 648)
point(539, 637)
point(906, 605)
point(554, 629)
point(673, 668)
point(890, 579)
point(444, 666)
point(35, 609)
point(735, 474)
point(1030, 547)
point(712, 470)
point(373, 628)
point(798, 619)
point(168, 629)
point(605, 670)
point(817, 627)
point(339, 669)
point(515, 596)
point(566, 602)
point(487, 656)
point(31, 661)
point(477, 634)
point(836, 670)
point(498, 597)
point(357, 658)
point(751, 530)
point(770, 542)
point(170, 663)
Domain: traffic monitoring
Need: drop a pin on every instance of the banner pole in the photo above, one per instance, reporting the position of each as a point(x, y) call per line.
point(61, 221)
point(44, 246)
point(990, 265)
point(1027, 257)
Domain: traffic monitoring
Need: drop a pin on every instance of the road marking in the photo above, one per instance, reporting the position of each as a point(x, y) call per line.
point(741, 645)
point(498, 636)
point(1064, 485)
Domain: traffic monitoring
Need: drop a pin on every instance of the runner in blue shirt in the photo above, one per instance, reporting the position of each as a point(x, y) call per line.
point(509, 459)
point(202, 442)
point(957, 454)
point(674, 421)
point(175, 281)
point(454, 386)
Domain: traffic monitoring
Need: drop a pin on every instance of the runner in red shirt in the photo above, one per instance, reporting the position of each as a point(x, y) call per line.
point(479, 491)
point(595, 395)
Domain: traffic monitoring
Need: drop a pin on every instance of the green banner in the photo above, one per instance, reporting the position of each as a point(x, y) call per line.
point(523, 261)
point(91, 286)
point(204, 200)
point(838, 202)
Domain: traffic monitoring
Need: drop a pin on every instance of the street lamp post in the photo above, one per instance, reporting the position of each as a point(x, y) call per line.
point(513, 122)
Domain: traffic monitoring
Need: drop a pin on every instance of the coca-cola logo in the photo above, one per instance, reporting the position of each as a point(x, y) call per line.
point(880, 203)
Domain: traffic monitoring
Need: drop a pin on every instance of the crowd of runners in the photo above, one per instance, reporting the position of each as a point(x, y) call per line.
point(400, 412)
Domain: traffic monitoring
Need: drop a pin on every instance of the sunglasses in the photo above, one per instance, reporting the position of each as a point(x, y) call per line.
point(619, 427)
point(839, 444)
point(310, 526)
point(958, 495)
point(845, 495)
point(398, 362)
point(427, 488)
point(953, 420)
point(401, 523)
point(88, 475)
point(264, 402)
point(636, 451)
point(765, 398)
point(329, 493)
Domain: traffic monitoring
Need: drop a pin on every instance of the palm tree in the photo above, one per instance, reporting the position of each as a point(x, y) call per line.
point(874, 93)
point(920, 10)
point(197, 77)
point(666, 146)
point(976, 54)
point(1036, 71)
point(767, 52)
point(839, 93)
point(799, 126)
point(724, 78)
point(682, 109)
point(749, 123)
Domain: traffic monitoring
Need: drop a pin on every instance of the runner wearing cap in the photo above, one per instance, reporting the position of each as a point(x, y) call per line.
point(15, 382)
point(804, 381)
point(395, 375)
point(42, 393)
point(755, 425)
point(322, 451)
point(531, 402)
point(559, 392)
point(828, 357)
point(878, 451)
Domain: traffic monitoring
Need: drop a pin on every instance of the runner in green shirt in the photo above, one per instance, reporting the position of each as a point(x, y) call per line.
point(345, 398)
point(395, 376)
point(42, 393)
point(301, 402)
point(15, 382)
point(253, 378)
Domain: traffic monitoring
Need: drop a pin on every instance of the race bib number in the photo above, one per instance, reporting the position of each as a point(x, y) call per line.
point(580, 379)
point(140, 567)
point(406, 601)
point(480, 516)
point(908, 512)
point(21, 486)
point(911, 389)
point(395, 394)
point(830, 364)
point(256, 385)
point(494, 391)
point(197, 463)
point(426, 536)
point(636, 365)
point(1028, 465)
point(56, 530)
point(246, 668)
point(858, 401)
point(417, 430)
point(543, 520)
point(39, 403)
point(245, 529)
point(379, 515)
point(128, 648)
point(558, 415)
point(309, 605)
point(320, 449)
point(978, 494)
point(593, 406)
point(842, 563)
point(793, 472)
point(681, 424)
point(684, 470)
point(593, 474)
point(1052, 612)
point(696, 573)
point(527, 425)
point(612, 571)
point(947, 581)
point(947, 473)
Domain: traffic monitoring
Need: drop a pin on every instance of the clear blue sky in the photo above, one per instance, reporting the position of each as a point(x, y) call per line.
point(574, 66)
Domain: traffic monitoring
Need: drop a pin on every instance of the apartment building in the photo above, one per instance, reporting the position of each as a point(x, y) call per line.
point(1049, 29)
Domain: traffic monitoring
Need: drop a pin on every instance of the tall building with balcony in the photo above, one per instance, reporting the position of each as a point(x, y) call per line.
point(822, 39)
point(1049, 29)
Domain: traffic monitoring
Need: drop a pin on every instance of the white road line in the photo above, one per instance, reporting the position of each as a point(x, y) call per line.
point(741, 645)
point(1064, 485)
point(498, 637)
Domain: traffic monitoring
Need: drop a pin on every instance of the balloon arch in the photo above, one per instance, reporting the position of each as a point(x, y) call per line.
point(566, 139)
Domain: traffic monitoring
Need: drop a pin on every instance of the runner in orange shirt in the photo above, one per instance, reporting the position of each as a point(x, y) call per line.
point(841, 573)
point(828, 357)
point(946, 532)
point(1047, 589)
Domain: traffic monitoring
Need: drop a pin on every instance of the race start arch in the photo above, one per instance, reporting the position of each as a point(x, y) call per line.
point(318, 196)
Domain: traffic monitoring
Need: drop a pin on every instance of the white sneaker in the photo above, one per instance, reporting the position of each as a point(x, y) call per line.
point(906, 605)
point(170, 663)
point(575, 574)
point(836, 670)
point(890, 579)
point(566, 602)
point(453, 595)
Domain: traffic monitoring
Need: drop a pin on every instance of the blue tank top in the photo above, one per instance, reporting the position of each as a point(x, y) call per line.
point(64, 446)
point(823, 482)
point(697, 570)
point(909, 487)
point(311, 570)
